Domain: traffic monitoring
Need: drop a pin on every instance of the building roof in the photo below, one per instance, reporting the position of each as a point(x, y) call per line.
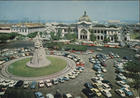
point(5, 25)
point(30, 25)
point(85, 17)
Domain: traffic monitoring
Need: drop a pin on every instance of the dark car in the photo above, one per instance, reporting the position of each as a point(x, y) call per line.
point(88, 93)
point(126, 57)
point(33, 85)
point(103, 64)
point(88, 85)
point(19, 83)
point(105, 81)
point(39, 95)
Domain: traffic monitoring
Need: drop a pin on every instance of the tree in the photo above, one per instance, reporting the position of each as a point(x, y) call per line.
point(92, 37)
point(70, 36)
point(13, 35)
point(32, 35)
point(57, 36)
point(133, 67)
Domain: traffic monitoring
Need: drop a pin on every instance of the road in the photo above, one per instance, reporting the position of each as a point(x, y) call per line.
point(75, 86)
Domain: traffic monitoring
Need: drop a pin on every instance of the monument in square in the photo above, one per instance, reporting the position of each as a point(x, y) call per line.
point(39, 55)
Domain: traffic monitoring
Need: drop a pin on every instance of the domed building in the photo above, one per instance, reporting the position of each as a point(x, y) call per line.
point(83, 26)
point(85, 17)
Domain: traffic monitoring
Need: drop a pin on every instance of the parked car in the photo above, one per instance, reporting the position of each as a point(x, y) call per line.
point(39, 95)
point(48, 83)
point(26, 84)
point(66, 78)
point(33, 84)
point(127, 91)
point(103, 64)
point(104, 70)
point(49, 95)
point(105, 81)
point(19, 83)
point(118, 77)
point(41, 83)
point(88, 93)
point(120, 83)
point(120, 92)
point(88, 85)
point(106, 86)
point(106, 93)
point(68, 95)
point(55, 81)
point(96, 91)
point(12, 83)
point(61, 80)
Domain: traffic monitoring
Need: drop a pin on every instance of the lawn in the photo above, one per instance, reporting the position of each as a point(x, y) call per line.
point(19, 68)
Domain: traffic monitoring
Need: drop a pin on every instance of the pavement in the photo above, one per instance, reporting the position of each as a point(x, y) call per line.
point(75, 86)
point(69, 68)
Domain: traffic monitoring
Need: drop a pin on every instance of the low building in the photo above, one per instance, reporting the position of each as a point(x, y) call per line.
point(26, 28)
point(5, 28)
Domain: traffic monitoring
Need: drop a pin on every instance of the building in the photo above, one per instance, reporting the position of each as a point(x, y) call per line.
point(5, 28)
point(26, 28)
point(84, 28)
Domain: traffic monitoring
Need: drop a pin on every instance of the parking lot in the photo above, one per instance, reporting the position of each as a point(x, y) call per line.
point(75, 86)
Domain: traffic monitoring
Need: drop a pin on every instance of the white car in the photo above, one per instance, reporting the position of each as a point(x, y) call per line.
point(77, 71)
point(104, 70)
point(125, 86)
point(41, 83)
point(68, 95)
point(48, 83)
point(49, 95)
point(120, 92)
point(120, 83)
point(55, 81)
point(106, 86)
point(72, 77)
point(26, 84)
point(12, 83)
point(106, 93)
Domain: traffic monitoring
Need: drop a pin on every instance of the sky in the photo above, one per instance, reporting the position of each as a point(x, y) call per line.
point(69, 10)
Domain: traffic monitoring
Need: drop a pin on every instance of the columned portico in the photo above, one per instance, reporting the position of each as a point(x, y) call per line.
point(83, 34)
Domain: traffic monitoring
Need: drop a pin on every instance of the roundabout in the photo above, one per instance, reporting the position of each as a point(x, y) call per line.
point(17, 70)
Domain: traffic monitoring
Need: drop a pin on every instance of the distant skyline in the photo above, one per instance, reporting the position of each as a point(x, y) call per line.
point(69, 10)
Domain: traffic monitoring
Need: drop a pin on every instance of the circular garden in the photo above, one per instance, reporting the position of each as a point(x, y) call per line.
point(19, 68)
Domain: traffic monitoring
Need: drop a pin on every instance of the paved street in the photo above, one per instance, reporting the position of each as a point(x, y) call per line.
point(75, 86)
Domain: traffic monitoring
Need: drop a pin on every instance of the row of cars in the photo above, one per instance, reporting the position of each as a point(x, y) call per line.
point(76, 59)
point(49, 95)
point(98, 62)
point(41, 83)
point(121, 80)
point(10, 54)
point(99, 86)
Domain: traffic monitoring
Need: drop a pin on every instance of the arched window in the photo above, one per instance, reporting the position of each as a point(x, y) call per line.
point(83, 34)
point(98, 37)
point(101, 37)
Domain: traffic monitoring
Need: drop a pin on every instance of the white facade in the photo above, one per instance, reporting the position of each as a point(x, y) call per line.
point(25, 30)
